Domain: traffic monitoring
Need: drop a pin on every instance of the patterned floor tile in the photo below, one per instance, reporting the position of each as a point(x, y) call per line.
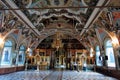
point(55, 75)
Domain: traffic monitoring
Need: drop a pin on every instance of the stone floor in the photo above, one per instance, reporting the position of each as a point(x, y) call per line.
point(55, 75)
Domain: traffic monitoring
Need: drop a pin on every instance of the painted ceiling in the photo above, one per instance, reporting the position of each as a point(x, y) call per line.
point(41, 16)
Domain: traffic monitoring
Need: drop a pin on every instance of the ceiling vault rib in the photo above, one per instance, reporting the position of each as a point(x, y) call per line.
point(21, 15)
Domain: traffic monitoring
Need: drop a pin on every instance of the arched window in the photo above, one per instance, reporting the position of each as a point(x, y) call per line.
point(6, 55)
point(21, 57)
point(98, 57)
point(109, 54)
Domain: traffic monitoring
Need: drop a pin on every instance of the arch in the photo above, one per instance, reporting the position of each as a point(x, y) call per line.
point(11, 38)
point(113, 37)
point(109, 53)
point(9, 33)
point(50, 33)
point(7, 53)
point(8, 43)
point(24, 41)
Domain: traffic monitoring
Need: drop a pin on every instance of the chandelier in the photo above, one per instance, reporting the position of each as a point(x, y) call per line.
point(57, 42)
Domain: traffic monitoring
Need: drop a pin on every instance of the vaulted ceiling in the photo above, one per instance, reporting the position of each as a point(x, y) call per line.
point(43, 18)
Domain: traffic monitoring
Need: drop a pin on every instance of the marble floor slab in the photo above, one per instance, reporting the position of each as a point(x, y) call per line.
point(74, 75)
point(55, 75)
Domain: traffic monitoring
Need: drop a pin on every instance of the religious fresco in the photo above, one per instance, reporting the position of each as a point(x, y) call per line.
point(114, 2)
point(2, 29)
point(92, 40)
point(102, 33)
point(116, 18)
point(103, 24)
point(15, 34)
point(104, 21)
point(55, 3)
point(39, 4)
point(25, 32)
point(86, 43)
point(10, 20)
point(116, 21)
point(115, 11)
point(59, 3)
point(42, 19)
point(11, 25)
point(41, 14)
point(89, 38)
point(67, 21)
point(7, 21)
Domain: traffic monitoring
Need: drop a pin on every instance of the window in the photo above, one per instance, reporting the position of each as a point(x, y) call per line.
point(98, 57)
point(109, 54)
point(21, 57)
point(6, 55)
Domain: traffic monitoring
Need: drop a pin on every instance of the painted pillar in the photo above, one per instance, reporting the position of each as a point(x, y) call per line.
point(17, 55)
point(1, 53)
point(104, 62)
point(26, 59)
point(116, 56)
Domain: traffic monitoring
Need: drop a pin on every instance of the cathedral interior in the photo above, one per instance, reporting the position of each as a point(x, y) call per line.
point(59, 39)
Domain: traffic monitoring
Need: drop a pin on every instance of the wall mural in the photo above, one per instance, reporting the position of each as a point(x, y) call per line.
point(104, 20)
point(116, 21)
point(101, 34)
point(10, 20)
point(103, 24)
point(15, 34)
point(92, 41)
point(55, 3)
point(41, 14)
point(116, 18)
point(25, 32)
point(2, 29)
